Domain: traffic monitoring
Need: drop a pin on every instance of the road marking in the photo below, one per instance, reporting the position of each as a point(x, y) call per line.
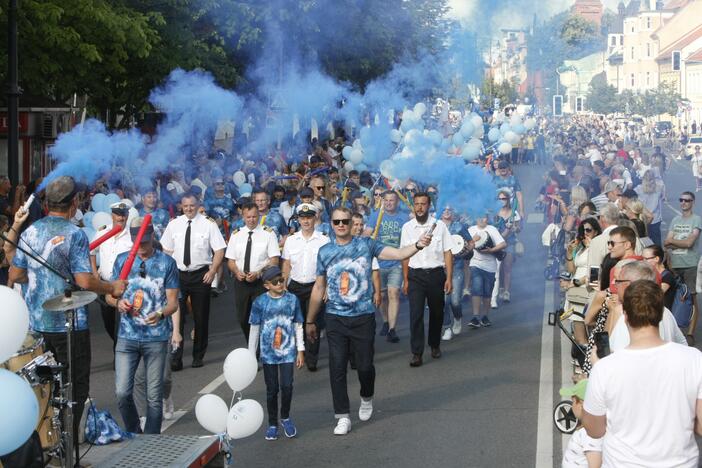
point(544, 424)
point(212, 386)
point(535, 218)
point(566, 371)
point(209, 388)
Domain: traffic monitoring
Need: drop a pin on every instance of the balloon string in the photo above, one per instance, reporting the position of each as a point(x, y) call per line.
point(225, 447)
point(234, 395)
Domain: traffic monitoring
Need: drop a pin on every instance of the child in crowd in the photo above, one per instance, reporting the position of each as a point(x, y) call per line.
point(277, 318)
point(582, 451)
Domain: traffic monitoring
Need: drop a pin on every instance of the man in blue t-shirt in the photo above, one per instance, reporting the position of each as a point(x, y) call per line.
point(388, 232)
point(344, 269)
point(64, 246)
point(145, 327)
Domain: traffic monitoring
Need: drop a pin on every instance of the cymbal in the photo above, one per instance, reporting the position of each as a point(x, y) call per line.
point(62, 303)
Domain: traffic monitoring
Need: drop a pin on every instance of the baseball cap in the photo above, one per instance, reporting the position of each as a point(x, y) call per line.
point(61, 190)
point(577, 390)
point(610, 186)
point(306, 209)
point(306, 193)
point(270, 273)
point(120, 208)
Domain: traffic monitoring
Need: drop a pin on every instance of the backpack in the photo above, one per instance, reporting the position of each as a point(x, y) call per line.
point(682, 303)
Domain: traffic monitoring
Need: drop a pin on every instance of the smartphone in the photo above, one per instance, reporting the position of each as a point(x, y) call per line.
point(602, 343)
point(565, 276)
point(594, 274)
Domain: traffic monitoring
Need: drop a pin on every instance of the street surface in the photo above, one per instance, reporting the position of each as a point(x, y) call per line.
point(487, 402)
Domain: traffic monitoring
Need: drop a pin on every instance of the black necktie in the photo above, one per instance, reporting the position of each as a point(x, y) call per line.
point(247, 254)
point(186, 249)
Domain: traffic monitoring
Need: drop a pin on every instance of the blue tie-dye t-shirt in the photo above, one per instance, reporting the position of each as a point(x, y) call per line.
point(220, 208)
point(276, 222)
point(65, 247)
point(277, 316)
point(161, 273)
point(348, 270)
point(159, 220)
point(389, 232)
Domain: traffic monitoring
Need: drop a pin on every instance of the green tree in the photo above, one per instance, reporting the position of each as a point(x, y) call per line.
point(577, 30)
point(602, 98)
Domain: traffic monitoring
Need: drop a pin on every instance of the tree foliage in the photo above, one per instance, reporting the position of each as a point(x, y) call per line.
point(577, 30)
point(505, 91)
point(604, 99)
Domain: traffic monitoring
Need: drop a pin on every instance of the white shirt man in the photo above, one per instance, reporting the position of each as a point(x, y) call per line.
point(433, 255)
point(264, 245)
point(205, 237)
point(109, 250)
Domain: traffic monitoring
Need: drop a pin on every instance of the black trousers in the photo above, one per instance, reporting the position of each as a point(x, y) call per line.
point(426, 286)
point(358, 333)
point(191, 286)
point(303, 293)
point(278, 377)
point(57, 343)
point(110, 320)
point(244, 295)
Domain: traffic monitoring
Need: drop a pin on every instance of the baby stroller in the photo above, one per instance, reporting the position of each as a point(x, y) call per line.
point(554, 238)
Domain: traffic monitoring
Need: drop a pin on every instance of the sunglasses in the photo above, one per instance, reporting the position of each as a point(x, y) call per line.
point(685, 200)
point(611, 243)
point(588, 229)
point(502, 198)
point(276, 281)
point(650, 258)
point(377, 194)
point(320, 187)
point(620, 281)
point(345, 221)
point(142, 270)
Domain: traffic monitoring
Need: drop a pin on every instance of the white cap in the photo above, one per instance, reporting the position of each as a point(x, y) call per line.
point(306, 208)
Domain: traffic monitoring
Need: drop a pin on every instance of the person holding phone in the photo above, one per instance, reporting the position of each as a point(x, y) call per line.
point(645, 401)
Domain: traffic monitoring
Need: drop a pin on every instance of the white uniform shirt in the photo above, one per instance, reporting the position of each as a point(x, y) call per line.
point(302, 254)
point(264, 246)
point(485, 261)
point(432, 256)
point(204, 238)
point(109, 250)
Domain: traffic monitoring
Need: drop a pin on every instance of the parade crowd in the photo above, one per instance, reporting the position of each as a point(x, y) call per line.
point(311, 249)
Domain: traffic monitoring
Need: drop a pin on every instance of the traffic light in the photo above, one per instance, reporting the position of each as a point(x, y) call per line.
point(676, 60)
point(579, 104)
point(557, 105)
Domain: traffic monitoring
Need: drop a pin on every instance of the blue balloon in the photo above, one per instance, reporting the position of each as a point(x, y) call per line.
point(110, 199)
point(19, 411)
point(245, 188)
point(89, 231)
point(98, 202)
point(88, 218)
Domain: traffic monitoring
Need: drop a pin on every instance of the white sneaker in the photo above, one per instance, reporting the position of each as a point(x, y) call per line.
point(168, 408)
point(366, 409)
point(343, 426)
point(142, 422)
point(493, 304)
point(457, 326)
point(447, 335)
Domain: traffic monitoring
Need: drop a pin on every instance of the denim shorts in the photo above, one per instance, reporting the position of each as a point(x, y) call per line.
point(391, 278)
point(481, 282)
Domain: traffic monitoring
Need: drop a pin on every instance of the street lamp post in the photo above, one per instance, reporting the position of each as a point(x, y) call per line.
point(13, 93)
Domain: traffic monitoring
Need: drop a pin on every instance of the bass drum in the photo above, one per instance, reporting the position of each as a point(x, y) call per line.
point(24, 363)
point(461, 247)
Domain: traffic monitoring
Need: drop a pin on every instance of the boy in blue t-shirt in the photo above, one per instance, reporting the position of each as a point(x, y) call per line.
point(277, 317)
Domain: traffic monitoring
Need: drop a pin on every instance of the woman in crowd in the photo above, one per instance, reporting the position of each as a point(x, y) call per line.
point(508, 222)
point(652, 194)
point(655, 256)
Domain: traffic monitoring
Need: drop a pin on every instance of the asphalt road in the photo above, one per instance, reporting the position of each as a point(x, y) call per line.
point(477, 406)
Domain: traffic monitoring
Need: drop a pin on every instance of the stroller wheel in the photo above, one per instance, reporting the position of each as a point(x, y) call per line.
point(564, 418)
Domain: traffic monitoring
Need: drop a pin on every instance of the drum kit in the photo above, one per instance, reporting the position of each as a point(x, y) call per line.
point(38, 366)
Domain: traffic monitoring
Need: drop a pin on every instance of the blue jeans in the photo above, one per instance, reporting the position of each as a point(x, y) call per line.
point(128, 353)
point(453, 300)
point(278, 377)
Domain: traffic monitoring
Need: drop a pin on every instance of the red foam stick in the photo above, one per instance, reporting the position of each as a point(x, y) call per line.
point(124, 274)
point(116, 229)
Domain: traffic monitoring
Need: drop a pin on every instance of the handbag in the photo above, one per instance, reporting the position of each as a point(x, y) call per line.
point(579, 295)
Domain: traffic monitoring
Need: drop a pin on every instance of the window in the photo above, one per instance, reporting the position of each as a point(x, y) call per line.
point(648, 49)
point(648, 79)
point(621, 40)
point(614, 40)
point(648, 22)
point(632, 53)
point(632, 80)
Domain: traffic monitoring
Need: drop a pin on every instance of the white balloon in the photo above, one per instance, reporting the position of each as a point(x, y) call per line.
point(361, 167)
point(14, 317)
point(457, 139)
point(515, 139)
point(356, 156)
point(509, 136)
point(504, 128)
point(128, 202)
point(504, 148)
point(101, 219)
point(419, 109)
point(110, 199)
point(409, 115)
point(477, 121)
point(244, 419)
point(515, 119)
point(346, 152)
point(98, 202)
point(348, 166)
point(494, 134)
point(386, 168)
point(395, 137)
point(239, 178)
point(467, 129)
point(479, 132)
point(240, 369)
point(435, 137)
point(470, 152)
point(530, 123)
point(413, 137)
point(211, 412)
point(357, 144)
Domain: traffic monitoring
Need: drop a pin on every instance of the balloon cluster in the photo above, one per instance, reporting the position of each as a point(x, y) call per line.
point(99, 217)
point(508, 131)
point(19, 409)
point(239, 179)
point(241, 419)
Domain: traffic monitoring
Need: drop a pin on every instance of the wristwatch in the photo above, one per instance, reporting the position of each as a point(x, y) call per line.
point(159, 312)
point(417, 246)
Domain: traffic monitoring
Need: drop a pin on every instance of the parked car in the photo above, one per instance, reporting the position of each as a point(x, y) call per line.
point(662, 129)
point(691, 143)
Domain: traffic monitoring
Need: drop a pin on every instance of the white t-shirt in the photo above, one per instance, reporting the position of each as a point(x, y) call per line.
point(668, 329)
point(485, 261)
point(579, 443)
point(649, 398)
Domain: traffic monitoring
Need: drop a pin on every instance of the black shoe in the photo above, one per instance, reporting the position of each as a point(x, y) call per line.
point(197, 362)
point(176, 365)
point(416, 360)
point(436, 352)
point(392, 336)
point(312, 367)
point(384, 329)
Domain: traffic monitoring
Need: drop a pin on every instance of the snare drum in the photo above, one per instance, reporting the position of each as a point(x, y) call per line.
point(24, 363)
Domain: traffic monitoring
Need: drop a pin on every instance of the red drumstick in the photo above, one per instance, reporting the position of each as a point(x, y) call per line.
point(116, 229)
point(124, 274)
